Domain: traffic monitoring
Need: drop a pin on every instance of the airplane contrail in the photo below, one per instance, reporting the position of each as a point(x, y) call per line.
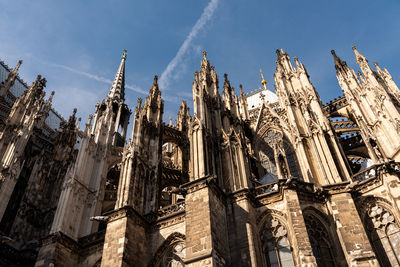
point(205, 17)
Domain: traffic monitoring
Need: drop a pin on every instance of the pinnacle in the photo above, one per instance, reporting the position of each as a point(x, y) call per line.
point(117, 90)
point(338, 62)
point(155, 82)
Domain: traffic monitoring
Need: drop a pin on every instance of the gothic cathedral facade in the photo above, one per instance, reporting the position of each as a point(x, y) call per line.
point(256, 179)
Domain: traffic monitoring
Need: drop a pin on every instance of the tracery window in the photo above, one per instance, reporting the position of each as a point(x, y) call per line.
point(268, 163)
point(384, 233)
point(320, 241)
point(276, 246)
point(174, 256)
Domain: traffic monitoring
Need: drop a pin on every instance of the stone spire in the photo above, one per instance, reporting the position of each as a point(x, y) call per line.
point(9, 82)
point(205, 63)
point(117, 90)
point(339, 64)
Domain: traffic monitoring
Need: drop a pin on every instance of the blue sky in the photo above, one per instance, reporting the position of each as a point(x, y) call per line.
point(77, 45)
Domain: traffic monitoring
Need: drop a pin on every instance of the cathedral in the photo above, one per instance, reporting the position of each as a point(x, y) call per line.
point(245, 179)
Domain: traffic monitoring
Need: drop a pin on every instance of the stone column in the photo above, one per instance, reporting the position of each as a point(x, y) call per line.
point(350, 229)
point(58, 250)
point(242, 227)
point(206, 226)
point(125, 240)
point(303, 252)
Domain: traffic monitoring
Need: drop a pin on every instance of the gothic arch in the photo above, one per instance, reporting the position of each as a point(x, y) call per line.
point(169, 243)
point(365, 203)
point(111, 187)
point(319, 214)
point(383, 229)
point(114, 161)
point(275, 239)
point(321, 237)
point(270, 212)
point(272, 142)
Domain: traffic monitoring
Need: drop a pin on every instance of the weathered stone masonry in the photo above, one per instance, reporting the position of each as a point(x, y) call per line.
point(257, 179)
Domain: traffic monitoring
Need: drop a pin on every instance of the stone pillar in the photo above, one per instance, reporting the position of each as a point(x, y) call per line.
point(242, 227)
point(351, 233)
point(58, 250)
point(206, 226)
point(125, 240)
point(303, 254)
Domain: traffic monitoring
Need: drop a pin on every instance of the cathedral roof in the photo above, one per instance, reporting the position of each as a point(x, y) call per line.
point(254, 100)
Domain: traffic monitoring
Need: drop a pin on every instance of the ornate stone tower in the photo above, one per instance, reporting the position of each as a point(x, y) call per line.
point(29, 111)
point(206, 123)
point(9, 82)
point(374, 101)
point(320, 156)
point(138, 186)
point(259, 179)
point(83, 194)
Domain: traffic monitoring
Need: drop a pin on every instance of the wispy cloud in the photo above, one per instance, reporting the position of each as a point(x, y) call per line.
point(97, 77)
point(204, 18)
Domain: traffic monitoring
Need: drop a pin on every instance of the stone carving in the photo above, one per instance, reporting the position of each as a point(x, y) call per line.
point(102, 196)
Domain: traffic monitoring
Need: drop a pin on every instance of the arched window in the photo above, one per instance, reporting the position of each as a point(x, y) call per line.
point(320, 241)
point(171, 253)
point(110, 194)
point(276, 246)
point(267, 161)
point(174, 256)
point(384, 233)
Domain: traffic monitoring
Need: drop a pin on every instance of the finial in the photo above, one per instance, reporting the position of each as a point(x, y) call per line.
point(262, 97)
point(79, 123)
point(124, 54)
point(241, 90)
point(89, 123)
point(51, 96)
point(338, 62)
point(38, 78)
point(204, 54)
point(18, 65)
point(226, 76)
point(42, 81)
point(74, 112)
point(263, 82)
point(278, 52)
point(353, 47)
point(155, 79)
